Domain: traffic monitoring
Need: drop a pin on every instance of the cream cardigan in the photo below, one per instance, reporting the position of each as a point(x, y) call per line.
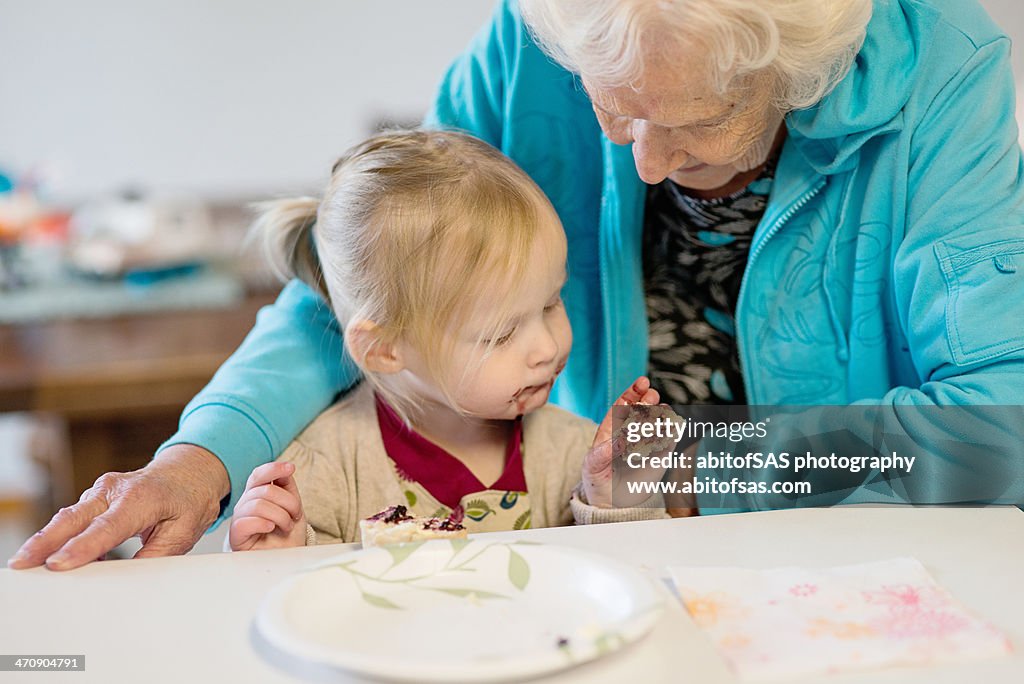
point(344, 474)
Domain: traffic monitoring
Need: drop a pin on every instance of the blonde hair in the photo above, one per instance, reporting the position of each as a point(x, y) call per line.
point(808, 46)
point(414, 229)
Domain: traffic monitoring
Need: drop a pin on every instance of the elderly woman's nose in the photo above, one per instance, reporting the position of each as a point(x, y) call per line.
point(655, 158)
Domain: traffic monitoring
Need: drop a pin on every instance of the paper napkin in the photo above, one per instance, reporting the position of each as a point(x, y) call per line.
point(789, 622)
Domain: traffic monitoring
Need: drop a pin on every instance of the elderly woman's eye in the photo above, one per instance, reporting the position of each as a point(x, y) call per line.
point(618, 123)
point(714, 125)
point(711, 128)
point(610, 121)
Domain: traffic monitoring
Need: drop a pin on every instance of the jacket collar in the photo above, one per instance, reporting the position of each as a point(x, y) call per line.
point(869, 101)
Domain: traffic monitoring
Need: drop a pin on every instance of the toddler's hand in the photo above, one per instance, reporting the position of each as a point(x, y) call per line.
point(269, 514)
point(597, 464)
point(640, 392)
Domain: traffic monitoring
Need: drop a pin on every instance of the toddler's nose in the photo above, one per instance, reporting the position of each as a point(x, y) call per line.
point(544, 349)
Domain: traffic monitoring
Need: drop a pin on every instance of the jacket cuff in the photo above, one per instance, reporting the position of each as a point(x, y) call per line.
point(310, 535)
point(585, 514)
point(230, 435)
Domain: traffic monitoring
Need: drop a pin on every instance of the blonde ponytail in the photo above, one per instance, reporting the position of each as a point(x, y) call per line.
point(285, 230)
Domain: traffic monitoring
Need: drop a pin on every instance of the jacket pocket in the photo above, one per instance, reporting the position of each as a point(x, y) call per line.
point(985, 295)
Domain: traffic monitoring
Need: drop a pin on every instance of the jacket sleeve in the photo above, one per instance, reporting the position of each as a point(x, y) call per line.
point(961, 294)
point(960, 289)
point(958, 281)
point(288, 370)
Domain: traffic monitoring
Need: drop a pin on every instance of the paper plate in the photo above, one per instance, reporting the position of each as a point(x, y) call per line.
point(460, 610)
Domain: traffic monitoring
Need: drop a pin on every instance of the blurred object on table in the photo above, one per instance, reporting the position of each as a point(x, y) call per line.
point(232, 220)
point(31, 234)
point(192, 287)
point(110, 238)
point(123, 256)
point(35, 475)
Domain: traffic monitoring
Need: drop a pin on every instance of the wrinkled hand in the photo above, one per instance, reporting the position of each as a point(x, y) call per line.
point(598, 463)
point(269, 514)
point(169, 504)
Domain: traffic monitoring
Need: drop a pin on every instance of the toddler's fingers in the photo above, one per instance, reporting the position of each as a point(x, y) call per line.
point(287, 483)
point(268, 472)
point(644, 393)
point(261, 508)
point(636, 392)
point(286, 498)
point(245, 532)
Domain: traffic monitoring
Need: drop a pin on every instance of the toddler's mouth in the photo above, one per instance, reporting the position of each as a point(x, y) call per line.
point(532, 389)
point(524, 392)
point(529, 390)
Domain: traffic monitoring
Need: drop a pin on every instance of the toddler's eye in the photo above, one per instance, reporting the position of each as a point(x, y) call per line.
point(553, 305)
point(501, 341)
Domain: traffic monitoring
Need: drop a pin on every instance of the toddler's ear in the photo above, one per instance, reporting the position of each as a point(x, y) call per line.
point(369, 347)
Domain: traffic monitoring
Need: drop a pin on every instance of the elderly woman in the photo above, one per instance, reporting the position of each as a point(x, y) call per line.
point(766, 201)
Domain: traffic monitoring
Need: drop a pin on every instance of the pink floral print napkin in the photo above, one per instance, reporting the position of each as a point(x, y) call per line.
point(790, 622)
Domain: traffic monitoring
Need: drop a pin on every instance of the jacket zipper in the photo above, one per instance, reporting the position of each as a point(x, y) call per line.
point(609, 369)
point(787, 215)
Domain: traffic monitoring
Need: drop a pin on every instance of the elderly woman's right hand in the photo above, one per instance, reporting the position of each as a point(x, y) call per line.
point(169, 504)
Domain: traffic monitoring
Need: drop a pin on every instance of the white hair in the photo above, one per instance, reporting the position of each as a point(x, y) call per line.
point(806, 45)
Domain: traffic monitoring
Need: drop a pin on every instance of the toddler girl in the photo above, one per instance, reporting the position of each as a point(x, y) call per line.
point(443, 263)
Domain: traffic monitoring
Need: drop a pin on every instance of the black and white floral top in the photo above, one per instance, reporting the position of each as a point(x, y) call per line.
point(695, 251)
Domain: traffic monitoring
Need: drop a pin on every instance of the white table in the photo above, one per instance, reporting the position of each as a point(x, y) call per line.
point(190, 618)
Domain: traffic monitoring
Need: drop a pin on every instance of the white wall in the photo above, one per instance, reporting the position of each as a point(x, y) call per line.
point(220, 97)
point(229, 97)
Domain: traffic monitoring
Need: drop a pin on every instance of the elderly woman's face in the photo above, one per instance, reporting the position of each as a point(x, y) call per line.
point(682, 129)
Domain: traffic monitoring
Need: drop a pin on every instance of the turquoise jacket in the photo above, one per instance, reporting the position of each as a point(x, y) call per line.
point(885, 270)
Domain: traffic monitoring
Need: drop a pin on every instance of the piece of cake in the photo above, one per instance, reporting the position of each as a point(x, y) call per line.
point(394, 525)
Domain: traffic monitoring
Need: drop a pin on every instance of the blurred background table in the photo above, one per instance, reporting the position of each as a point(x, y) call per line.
point(117, 385)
